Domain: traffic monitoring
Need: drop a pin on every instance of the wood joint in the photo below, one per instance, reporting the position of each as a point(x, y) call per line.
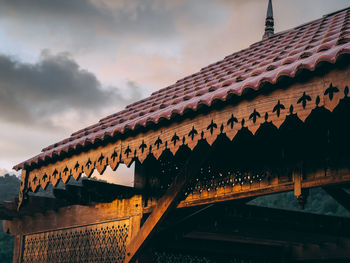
point(165, 204)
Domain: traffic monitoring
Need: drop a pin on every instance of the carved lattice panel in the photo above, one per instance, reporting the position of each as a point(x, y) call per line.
point(168, 257)
point(162, 257)
point(94, 243)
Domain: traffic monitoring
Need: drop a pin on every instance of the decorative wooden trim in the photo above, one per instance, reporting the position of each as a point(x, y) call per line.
point(166, 203)
point(317, 178)
point(101, 242)
point(300, 98)
point(313, 179)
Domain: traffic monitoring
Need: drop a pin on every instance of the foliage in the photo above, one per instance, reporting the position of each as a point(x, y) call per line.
point(6, 247)
point(318, 202)
point(9, 186)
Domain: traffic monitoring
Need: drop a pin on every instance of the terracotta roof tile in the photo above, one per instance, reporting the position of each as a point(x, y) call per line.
point(283, 54)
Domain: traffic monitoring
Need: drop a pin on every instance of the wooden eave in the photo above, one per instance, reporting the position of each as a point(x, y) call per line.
point(274, 105)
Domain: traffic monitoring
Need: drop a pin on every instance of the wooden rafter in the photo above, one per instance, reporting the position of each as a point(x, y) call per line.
point(239, 225)
point(93, 191)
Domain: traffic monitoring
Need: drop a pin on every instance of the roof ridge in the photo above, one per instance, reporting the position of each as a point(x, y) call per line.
point(336, 12)
point(299, 26)
point(278, 34)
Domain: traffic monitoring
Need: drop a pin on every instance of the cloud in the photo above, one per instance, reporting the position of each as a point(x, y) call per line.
point(84, 25)
point(3, 172)
point(33, 94)
point(151, 42)
point(118, 17)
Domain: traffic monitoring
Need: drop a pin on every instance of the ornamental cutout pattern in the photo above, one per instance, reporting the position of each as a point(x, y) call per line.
point(96, 243)
point(300, 99)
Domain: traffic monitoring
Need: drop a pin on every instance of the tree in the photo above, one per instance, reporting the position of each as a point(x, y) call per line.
point(9, 186)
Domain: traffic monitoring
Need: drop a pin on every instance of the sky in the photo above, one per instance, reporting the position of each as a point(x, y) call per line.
point(66, 64)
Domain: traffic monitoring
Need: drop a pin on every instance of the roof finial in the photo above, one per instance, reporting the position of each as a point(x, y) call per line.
point(269, 24)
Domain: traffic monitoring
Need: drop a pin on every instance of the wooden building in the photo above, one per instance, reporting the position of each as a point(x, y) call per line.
point(271, 118)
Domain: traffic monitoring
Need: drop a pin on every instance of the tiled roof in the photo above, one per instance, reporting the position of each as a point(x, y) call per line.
point(303, 47)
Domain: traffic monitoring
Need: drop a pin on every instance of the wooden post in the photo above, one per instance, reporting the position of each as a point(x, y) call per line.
point(165, 204)
point(300, 194)
point(18, 249)
point(297, 178)
point(140, 176)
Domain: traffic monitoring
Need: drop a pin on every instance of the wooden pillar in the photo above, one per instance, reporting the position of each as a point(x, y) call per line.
point(23, 188)
point(300, 193)
point(297, 178)
point(18, 249)
point(140, 176)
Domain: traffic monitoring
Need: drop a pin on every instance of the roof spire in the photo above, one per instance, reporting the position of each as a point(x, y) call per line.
point(269, 24)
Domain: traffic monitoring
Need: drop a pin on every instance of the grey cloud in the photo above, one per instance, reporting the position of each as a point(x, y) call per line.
point(32, 93)
point(89, 23)
point(89, 18)
point(3, 172)
point(86, 24)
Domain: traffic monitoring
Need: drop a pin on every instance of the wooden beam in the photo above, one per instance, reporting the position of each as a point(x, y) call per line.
point(237, 239)
point(33, 205)
point(39, 204)
point(312, 179)
point(266, 234)
point(105, 192)
point(339, 195)
point(7, 214)
point(63, 195)
point(260, 225)
point(256, 226)
point(77, 215)
point(166, 203)
point(18, 248)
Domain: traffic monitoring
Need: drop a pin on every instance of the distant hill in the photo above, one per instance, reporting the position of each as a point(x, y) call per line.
point(9, 186)
point(318, 202)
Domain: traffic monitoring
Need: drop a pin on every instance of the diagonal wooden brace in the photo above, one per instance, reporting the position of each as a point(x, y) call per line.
point(165, 204)
point(339, 195)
